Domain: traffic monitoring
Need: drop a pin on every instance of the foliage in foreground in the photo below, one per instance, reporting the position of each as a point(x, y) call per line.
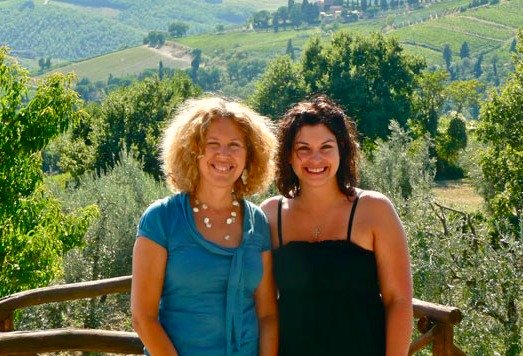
point(121, 195)
point(453, 259)
point(501, 129)
point(35, 232)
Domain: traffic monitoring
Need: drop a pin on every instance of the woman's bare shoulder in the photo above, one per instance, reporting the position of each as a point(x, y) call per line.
point(373, 197)
point(270, 206)
point(376, 205)
point(380, 213)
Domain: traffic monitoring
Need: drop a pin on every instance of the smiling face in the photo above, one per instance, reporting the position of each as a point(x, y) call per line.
point(224, 155)
point(315, 157)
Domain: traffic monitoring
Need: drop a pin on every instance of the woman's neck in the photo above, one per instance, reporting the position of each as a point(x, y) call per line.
point(215, 198)
point(320, 197)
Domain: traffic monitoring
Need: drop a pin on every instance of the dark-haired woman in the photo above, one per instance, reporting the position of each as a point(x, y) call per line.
point(341, 260)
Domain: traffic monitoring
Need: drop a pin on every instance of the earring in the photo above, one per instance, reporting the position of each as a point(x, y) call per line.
point(244, 176)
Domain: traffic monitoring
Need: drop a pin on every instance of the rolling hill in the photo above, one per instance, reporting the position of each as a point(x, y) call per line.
point(489, 31)
point(130, 61)
point(80, 29)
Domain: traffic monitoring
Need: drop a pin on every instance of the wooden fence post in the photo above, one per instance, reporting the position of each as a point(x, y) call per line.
point(7, 323)
point(443, 344)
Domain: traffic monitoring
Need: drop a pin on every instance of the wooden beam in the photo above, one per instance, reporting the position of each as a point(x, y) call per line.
point(60, 293)
point(437, 312)
point(18, 342)
point(123, 342)
point(456, 351)
point(422, 341)
point(424, 324)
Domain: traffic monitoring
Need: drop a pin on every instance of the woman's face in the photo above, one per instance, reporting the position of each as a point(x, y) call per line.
point(315, 157)
point(224, 155)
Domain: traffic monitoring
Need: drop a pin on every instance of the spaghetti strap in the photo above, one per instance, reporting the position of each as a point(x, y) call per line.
point(351, 218)
point(280, 237)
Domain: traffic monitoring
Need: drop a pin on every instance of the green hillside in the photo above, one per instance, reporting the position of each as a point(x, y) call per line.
point(57, 32)
point(129, 61)
point(488, 30)
point(69, 30)
point(201, 16)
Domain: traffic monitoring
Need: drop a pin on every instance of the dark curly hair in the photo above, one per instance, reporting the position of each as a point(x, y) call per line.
point(318, 110)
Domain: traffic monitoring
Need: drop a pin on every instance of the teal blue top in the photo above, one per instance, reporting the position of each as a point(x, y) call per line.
point(207, 302)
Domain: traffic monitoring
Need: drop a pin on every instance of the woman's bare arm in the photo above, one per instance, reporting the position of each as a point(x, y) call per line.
point(149, 260)
point(392, 258)
point(267, 309)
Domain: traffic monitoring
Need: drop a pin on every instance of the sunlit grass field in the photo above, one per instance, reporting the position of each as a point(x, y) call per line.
point(120, 64)
point(512, 14)
point(262, 42)
point(259, 4)
point(458, 194)
point(104, 11)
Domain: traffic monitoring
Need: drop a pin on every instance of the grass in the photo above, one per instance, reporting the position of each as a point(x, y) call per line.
point(458, 194)
point(267, 42)
point(508, 13)
point(7, 3)
point(434, 34)
point(120, 64)
point(271, 5)
point(33, 66)
point(103, 11)
point(262, 42)
point(432, 10)
point(475, 27)
point(432, 56)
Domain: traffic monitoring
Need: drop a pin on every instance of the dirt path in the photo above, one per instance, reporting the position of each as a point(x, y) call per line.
point(497, 24)
point(172, 50)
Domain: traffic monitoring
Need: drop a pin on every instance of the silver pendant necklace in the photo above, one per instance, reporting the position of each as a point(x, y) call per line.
point(231, 219)
point(316, 232)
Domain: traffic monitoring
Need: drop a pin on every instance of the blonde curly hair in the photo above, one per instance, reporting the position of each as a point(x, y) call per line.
point(184, 138)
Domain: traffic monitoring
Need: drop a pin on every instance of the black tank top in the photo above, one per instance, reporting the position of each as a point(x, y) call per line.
point(329, 300)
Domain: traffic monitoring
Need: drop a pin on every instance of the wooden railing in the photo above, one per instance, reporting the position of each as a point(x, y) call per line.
point(435, 323)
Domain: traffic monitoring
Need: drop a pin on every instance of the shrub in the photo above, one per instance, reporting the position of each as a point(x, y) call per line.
point(122, 194)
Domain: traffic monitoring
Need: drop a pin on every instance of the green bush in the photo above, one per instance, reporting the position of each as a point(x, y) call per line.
point(122, 194)
point(453, 259)
point(35, 232)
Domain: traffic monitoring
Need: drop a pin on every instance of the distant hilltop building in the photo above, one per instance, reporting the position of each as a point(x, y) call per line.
point(329, 12)
point(324, 4)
